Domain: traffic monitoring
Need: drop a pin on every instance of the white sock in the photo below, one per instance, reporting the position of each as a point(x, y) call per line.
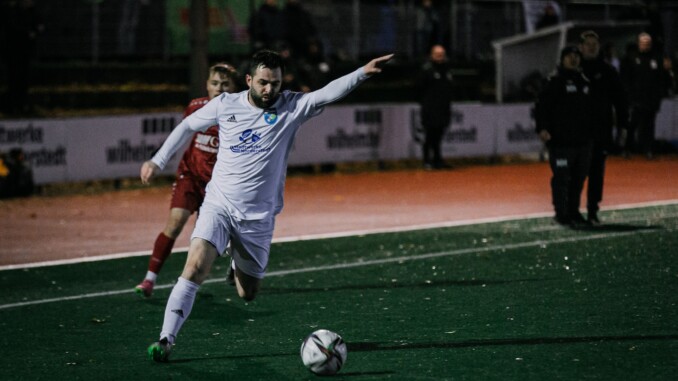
point(178, 308)
point(150, 275)
point(233, 264)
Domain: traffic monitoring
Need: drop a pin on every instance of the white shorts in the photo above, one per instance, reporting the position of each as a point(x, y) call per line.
point(250, 239)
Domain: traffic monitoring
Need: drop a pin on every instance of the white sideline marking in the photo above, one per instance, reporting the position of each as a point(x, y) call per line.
point(309, 237)
point(470, 250)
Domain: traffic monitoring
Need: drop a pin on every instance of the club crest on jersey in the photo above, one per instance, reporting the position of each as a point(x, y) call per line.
point(270, 116)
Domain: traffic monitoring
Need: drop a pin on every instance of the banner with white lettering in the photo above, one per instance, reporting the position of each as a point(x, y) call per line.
point(77, 149)
point(44, 143)
point(470, 133)
point(123, 144)
point(80, 149)
point(515, 129)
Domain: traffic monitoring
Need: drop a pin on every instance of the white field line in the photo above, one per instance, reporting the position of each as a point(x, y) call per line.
point(309, 237)
point(470, 250)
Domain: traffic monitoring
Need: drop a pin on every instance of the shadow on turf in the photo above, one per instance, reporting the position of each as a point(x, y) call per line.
point(381, 346)
point(617, 228)
point(448, 283)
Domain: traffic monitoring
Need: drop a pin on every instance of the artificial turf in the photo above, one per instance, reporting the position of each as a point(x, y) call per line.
point(512, 300)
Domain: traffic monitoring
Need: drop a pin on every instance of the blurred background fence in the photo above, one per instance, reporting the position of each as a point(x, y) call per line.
point(90, 54)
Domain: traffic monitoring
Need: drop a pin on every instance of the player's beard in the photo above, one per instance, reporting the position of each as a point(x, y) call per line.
point(259, 100)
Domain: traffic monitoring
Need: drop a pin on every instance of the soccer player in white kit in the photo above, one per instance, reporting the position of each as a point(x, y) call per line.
point(256, 131)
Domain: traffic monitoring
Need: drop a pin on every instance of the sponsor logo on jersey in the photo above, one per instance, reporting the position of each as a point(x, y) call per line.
point(248, 143)
point(207, 143)
point(231, 119)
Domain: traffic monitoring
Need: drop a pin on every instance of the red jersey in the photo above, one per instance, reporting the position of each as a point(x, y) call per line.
point(200, 157)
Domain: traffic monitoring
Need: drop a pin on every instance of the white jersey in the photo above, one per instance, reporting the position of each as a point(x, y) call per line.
point(254, 143)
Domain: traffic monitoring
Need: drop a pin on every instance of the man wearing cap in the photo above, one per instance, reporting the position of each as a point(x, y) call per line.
point(609, 106)
point(563, 115)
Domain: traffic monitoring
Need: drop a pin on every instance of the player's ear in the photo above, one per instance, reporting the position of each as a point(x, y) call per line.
point(248, 80)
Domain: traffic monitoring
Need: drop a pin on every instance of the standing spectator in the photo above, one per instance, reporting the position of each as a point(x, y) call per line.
point(609, 106)
point(22, 25)
point(298, 28)
point(647, 82)
point(265, 25)
point(193, 174)
point(427, 28)
point(563, 115)
point(435, 99)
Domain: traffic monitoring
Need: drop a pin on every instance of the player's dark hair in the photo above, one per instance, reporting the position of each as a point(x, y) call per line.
point(268, 59)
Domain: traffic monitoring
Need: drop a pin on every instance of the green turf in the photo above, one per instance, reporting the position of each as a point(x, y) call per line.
point(515, 300)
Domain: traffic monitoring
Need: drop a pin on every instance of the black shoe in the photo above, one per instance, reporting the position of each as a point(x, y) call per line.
point(593, 219)
point(578, 221)
point(562, 220)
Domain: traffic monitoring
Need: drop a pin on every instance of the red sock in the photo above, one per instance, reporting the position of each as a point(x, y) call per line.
point(161, 251)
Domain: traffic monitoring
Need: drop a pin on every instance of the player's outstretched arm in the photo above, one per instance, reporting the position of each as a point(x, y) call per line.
point(341, 86)
point(374, 66)
point(148, 170)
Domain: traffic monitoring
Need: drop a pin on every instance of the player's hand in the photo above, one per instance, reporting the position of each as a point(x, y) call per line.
point(374, 66)
point(148, 169)
point(544, 136)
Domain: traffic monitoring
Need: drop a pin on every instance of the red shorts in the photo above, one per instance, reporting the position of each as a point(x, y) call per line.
point(187, 193)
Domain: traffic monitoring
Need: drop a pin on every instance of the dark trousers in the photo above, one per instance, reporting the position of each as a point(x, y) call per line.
point(641, 130)
point(570, 166)
point(594, 193)
point(432, 144)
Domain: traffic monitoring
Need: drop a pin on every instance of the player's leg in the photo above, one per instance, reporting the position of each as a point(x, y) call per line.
point(201, 255)
point(250, 248)
point(162, 248)
point(247, 285)
point(209, 238)
point(187, 195)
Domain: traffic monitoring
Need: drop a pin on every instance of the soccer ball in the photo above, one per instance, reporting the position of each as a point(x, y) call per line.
point(323, 352)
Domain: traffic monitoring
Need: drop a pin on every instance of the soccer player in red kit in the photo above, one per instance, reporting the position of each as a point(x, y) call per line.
point(193, 174)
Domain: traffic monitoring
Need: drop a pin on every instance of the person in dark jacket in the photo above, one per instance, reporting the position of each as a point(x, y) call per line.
point(563, 114)
point(610, 108)
point(436, 96)
point(647, 82)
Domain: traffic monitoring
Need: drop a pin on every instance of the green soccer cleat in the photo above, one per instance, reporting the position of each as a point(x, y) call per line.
point(160, 350)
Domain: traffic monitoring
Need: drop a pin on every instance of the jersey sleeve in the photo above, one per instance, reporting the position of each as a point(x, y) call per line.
point(179, 136)
point(313, 102)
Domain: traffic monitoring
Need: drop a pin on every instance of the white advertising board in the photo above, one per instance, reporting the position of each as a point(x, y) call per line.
point(81, 149)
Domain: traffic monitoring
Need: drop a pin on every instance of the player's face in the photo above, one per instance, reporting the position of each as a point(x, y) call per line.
point(264, 86)
point(589, 48)
point(219, 83)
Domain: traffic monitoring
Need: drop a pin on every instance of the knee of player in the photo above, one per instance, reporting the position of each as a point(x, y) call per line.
point(195, 273)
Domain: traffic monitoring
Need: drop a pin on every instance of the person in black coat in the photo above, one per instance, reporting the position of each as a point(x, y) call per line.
point(647, 82)
point(563, 115)
point(610, 108)
point(435, 99)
